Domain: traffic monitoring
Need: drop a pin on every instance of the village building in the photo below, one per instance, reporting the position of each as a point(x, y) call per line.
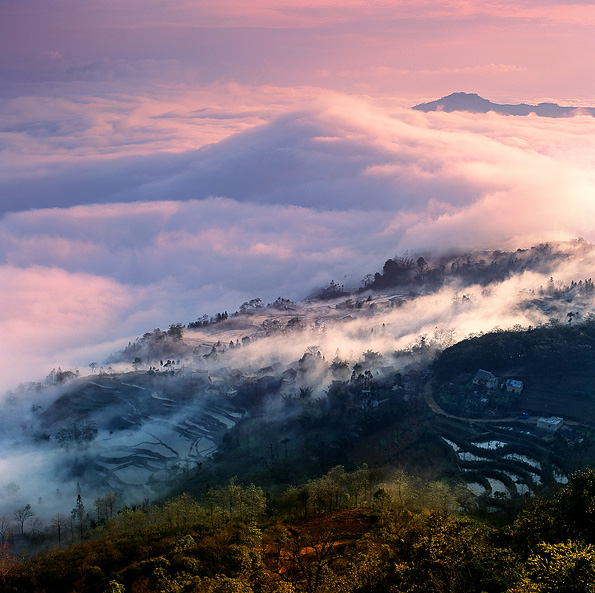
point(289, 375)
point(485, 379)
point(551, 424)
point(513, 386)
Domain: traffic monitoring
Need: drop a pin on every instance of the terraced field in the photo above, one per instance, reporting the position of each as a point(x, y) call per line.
point(148, 428)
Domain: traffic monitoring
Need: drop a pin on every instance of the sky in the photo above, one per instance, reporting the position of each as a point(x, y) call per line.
point(161, 160)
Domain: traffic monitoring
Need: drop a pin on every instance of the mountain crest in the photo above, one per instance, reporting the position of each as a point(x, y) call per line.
point(473, 103)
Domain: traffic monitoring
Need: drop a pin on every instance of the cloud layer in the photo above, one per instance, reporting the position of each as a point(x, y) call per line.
point(123, 213)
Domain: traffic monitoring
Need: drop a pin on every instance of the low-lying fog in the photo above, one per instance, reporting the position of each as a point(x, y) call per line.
point(169, 424)
point(121, 214)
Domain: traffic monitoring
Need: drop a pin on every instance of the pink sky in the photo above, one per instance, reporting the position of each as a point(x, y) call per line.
point(165, 159)
point(508, 50)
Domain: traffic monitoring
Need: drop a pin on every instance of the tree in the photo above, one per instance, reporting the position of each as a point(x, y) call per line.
point(340, 368)
point(358, 483)
point(367, 280)
point(104, 506)
point(306, 392)
point(576, 504)
point(93, 366)
point(331, 488)
point(231, 495)
point(22, 514)
point(182, 510)
point(561, 568)
point(537, 522)
point(79, 431)
point(442, 555)
point(251, 306)
point(211, 502)
point(79, 516)
point(58, 523)
point(176, 331)
point(7, 561)
point(304, 561)
point(372, 359)
point(255, 502)
point(5, 528)
point(422, 269)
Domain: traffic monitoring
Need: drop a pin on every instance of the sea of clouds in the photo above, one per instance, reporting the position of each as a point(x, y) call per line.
point(127, 208)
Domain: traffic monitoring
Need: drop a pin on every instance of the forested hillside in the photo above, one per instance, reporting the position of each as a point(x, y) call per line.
point(345, 532)
point(343, 443)
point(554, 348)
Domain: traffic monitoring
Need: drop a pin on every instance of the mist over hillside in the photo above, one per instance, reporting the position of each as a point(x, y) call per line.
point(237, 266)
point(208, 197)
point(160, 408)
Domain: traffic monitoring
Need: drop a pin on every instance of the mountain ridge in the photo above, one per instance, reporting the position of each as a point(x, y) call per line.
point(472, 102)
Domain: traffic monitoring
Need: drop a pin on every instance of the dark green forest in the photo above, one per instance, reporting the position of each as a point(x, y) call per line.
point(353, 530)
point(554, 348)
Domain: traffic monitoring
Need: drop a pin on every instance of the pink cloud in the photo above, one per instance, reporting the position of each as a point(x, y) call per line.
point(330, 188)
point(51, 317)
point(49, 307)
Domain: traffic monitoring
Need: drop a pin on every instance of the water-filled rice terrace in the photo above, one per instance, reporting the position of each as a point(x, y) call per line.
point(507, 460)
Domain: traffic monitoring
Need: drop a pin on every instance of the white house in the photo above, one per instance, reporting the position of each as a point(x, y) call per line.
point(551, 424)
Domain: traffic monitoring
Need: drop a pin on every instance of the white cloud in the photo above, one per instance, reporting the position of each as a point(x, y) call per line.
point(297, 188)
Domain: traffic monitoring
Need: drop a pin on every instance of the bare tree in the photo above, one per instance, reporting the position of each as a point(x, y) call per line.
point(104, 506)
point(305, 561)
point(59, 523)
point(79, 516)
point(111, 499)
point(35, 526)
point(100, 509)
point(22, 514)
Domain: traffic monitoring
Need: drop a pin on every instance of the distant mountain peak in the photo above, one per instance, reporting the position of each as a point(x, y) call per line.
point(473, 103)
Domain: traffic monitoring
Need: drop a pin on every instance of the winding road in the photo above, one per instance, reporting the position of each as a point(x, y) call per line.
point(433, 405)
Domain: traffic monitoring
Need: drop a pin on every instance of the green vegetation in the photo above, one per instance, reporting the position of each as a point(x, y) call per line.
point(351, 532)
point(286, 502)
point(471, 268)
